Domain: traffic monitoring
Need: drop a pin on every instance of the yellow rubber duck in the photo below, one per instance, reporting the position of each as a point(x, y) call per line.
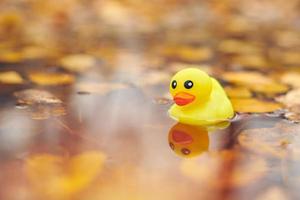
point(188, 141)
point(199, 99)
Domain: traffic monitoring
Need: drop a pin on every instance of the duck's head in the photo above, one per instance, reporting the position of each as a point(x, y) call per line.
point(190, 87)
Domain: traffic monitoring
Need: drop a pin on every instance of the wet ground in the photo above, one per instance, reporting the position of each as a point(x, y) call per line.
point(84, 100)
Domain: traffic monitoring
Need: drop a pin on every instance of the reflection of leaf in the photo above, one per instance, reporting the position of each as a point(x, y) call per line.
point(59, 178)
point(10, 77)
point(41, 78)
point(254, 105)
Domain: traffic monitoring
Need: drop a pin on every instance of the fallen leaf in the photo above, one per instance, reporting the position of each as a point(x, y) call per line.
point(291, 57)
point(10, 57)
point(238, 47)
point(78, 62)
point(256, 82)
point(35, 96)
point(270, 88)
point(42, 78)
point(251, 61)
point(11, 77)
point(40, 104)
point(254, 105)
point(246, 78)
point(189, 53)
point(238, 92)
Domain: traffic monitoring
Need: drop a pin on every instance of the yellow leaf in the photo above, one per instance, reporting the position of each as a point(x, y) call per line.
point(41, 78)
point(254, 105)
point(11, 77)
point(238, 92)
point(78, 62)
point(271, 88)
point(246, 78)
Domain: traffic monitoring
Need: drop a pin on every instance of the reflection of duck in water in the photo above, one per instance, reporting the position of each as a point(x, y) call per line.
point(188, 141)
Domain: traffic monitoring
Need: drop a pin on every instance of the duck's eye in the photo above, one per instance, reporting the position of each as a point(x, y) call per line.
point(185, 151)
point(188, 84)
point(174, 84)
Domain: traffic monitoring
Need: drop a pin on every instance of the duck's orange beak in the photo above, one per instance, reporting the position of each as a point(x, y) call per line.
point(183, 98)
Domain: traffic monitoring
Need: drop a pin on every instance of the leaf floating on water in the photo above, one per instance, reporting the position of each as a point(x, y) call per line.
point(35, 96)
point(58, 177)
point(40, 104)
point(238, 92)
point(11, 77)
point(269, 89)
point(78, 62)
point(246, 78)
point(254, 105)
point(256, 82)
point(50, 79)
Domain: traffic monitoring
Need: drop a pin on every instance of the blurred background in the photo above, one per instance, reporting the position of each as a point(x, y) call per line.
point(84, 99)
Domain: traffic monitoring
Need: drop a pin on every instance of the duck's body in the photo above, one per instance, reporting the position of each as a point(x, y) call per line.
point(215, 107)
